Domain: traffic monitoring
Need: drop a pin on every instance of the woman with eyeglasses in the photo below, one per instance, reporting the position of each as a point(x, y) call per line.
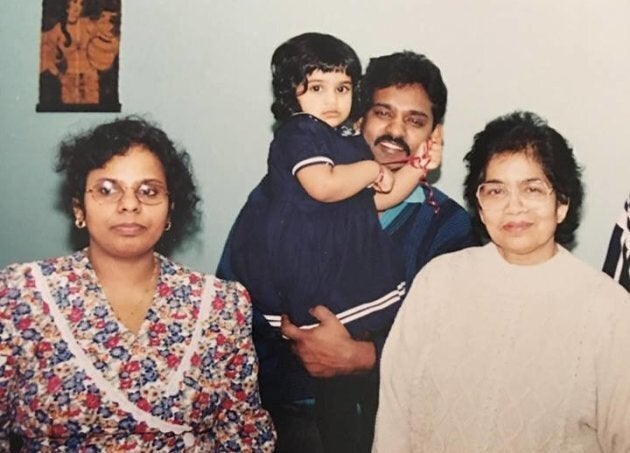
point(116, 347)
point(516, 345)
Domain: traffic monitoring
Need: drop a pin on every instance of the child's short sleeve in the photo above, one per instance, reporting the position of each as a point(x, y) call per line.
point(302, 141)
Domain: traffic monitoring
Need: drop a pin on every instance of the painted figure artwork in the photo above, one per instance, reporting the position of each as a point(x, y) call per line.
point(80, 43)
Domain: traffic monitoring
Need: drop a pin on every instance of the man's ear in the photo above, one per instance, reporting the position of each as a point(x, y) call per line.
point(357, 124)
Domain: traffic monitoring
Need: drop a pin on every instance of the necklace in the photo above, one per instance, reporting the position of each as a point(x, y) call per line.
point(146, 294)
point(130, 302)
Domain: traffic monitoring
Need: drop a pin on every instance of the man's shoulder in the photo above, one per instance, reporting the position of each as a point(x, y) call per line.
point(443, 199)
point(435, 205)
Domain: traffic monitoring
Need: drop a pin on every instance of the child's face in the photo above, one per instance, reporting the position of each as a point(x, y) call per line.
point(328, 96)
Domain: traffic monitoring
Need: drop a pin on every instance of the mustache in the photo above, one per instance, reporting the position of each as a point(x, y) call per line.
point(395, 140)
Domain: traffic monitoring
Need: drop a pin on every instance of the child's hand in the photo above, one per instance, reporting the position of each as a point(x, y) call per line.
point(435, 153)
point(385, 181)
point(421, 157)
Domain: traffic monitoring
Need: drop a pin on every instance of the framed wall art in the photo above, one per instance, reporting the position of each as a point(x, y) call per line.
point(78, 69)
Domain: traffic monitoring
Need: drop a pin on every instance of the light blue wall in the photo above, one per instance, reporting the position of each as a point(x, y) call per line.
point(200, 68)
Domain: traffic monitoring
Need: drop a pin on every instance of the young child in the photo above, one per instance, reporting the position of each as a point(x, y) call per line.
point(318, 240)
point(314, 237)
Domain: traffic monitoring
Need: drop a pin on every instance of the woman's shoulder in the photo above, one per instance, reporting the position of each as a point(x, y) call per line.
point(470, 256)
point(47, 266)
point(214, 287)
point(592, 280)
point(183, 271)
point(19, 281)
point(13, 278)
point(231, 304)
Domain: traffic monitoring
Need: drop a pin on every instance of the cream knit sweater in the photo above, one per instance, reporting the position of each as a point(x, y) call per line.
point(485, 356)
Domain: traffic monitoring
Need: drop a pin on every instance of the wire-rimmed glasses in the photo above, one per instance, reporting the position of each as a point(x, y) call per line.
point(495, 196)
point(108, 191)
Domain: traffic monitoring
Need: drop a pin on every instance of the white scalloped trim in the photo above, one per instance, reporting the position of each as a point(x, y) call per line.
point(81, 360)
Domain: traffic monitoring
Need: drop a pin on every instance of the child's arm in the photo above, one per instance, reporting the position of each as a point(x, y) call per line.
point(328, 183)
point(406, 180)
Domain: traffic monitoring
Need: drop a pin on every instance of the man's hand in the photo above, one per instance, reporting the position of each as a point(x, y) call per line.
point(328, 349)
point(436, 145)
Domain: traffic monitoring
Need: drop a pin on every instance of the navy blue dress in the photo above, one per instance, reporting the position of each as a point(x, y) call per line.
point(293, 252)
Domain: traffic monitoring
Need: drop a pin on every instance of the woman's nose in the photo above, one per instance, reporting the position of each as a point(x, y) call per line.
point(129, 201)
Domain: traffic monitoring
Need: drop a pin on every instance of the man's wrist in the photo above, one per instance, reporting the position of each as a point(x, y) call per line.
point(363, 356)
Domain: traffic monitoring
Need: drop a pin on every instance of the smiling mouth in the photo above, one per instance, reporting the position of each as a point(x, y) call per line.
point(391, 148)
point(516, 227)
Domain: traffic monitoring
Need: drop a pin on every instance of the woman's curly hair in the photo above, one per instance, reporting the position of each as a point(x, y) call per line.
point(87, 151)
point(526, 132)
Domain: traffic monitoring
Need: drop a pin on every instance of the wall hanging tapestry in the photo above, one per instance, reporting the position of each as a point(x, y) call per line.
point(78, 69)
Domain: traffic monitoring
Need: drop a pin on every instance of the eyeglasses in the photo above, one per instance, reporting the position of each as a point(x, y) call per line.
point(108, 191)
point(495, 196)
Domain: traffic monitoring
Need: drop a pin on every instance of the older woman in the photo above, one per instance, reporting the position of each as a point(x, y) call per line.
point(116, 347)
point(516, 345)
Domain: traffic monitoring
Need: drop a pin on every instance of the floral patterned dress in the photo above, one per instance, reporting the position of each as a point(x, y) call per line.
point(74, 378)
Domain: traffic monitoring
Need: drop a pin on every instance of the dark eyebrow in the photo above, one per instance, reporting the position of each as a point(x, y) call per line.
point(498, 181)
point(418, 113)
point(107, 179)
point(142, 181)
point(153, 181)
point(408, 112)
point(533, 179)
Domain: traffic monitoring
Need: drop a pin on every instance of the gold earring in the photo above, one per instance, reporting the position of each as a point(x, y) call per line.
point(168, 226)
point(79, 223)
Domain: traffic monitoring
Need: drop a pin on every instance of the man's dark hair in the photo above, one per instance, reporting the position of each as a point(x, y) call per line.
point(80, 154)
point(526, 132)
point(405, 68)
point(298, 57)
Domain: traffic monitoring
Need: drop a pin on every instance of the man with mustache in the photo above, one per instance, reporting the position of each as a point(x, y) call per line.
point(404, 100)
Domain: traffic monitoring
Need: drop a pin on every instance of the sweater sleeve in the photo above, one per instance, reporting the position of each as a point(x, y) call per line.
point(613, 382)
point(401, 354)
point(242, 424)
